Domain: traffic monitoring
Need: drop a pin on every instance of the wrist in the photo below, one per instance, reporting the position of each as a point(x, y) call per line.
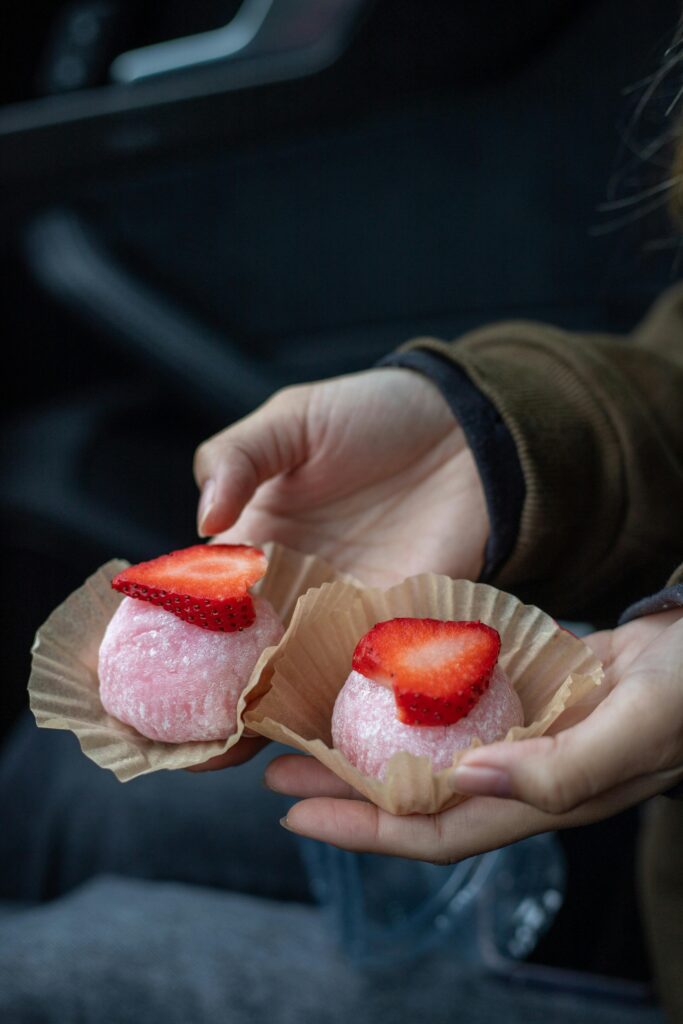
point(491, 467)
point(476, 531)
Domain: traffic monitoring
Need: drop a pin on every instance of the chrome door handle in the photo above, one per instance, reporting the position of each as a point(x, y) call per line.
point(308, 34)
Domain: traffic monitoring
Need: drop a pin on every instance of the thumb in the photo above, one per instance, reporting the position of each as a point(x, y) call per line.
point(614, 744)
point(231, 465)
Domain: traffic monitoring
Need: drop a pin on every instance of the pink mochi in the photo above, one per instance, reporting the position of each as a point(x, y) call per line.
point(176, 682)
point(368, 733)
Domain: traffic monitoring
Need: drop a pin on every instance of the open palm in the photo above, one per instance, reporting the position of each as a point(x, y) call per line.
point(369, 471)
point(625, 749)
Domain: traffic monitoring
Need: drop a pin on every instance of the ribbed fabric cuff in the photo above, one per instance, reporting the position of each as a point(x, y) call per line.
point(663, 601)
point(491, 444)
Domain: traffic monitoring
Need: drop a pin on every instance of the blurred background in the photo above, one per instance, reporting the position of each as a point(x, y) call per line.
point(203, 202)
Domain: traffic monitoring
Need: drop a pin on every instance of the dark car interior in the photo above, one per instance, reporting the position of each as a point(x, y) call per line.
point(202, 203)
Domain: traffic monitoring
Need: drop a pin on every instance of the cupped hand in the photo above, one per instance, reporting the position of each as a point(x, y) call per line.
point(369, 471)
point(627, 748)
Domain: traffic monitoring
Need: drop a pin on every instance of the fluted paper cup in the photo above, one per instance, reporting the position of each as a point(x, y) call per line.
point(64, 687)
point(550, 669)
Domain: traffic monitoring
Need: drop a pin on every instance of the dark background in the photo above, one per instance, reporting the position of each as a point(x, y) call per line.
point(170, 255)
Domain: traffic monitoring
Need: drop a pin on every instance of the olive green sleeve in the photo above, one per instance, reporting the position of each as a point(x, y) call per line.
point(597, 422)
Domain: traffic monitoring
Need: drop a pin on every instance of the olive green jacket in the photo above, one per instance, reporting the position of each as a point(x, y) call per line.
point(597, 423)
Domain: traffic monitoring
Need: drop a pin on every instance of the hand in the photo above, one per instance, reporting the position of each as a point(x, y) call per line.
point(370, 471)
point(627, 748)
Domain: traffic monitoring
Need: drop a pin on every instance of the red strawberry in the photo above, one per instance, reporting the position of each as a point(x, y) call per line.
point(437, 670)
point(206, 585)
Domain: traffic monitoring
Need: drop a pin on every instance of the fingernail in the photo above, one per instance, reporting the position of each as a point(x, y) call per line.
point(206, 504)
point(478, 780)
point(285, 824)
point(267, 784)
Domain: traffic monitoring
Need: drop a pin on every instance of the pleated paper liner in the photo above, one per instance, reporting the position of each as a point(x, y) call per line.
point(550, 669)
point(64, 688)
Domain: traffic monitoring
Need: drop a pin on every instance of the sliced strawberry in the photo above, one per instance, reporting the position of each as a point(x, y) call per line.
point(206, 585)
point(437, 670)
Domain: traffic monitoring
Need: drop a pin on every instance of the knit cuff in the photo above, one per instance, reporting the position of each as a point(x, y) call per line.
point(663, 601)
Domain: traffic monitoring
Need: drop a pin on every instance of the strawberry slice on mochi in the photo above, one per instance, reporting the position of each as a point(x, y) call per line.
point(437, 670)
point(206, 584)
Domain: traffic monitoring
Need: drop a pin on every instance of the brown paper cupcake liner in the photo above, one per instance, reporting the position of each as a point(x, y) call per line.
point(64, 688)
point(550, 668)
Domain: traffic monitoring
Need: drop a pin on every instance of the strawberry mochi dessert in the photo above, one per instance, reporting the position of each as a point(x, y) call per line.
point(426, 687)
point(183, 643)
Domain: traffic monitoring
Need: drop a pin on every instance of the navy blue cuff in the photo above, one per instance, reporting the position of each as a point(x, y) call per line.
point(493, 448)
point(663, 601)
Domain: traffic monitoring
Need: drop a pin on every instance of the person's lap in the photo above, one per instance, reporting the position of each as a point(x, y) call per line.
point(127, 951)
point(65, 820)
point(178, 897)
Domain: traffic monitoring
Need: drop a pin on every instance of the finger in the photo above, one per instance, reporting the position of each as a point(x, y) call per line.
point(557, 773)
point(230, 466)
point(475, 826)
point(296, 775)
point(634, 732)
point(243, 751)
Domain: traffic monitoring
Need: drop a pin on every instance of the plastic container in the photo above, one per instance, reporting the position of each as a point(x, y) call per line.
point(488, 909)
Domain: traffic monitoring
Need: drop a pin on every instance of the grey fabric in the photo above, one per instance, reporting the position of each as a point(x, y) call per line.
point(66, 820)
point(663, 601)
point(130, 952)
